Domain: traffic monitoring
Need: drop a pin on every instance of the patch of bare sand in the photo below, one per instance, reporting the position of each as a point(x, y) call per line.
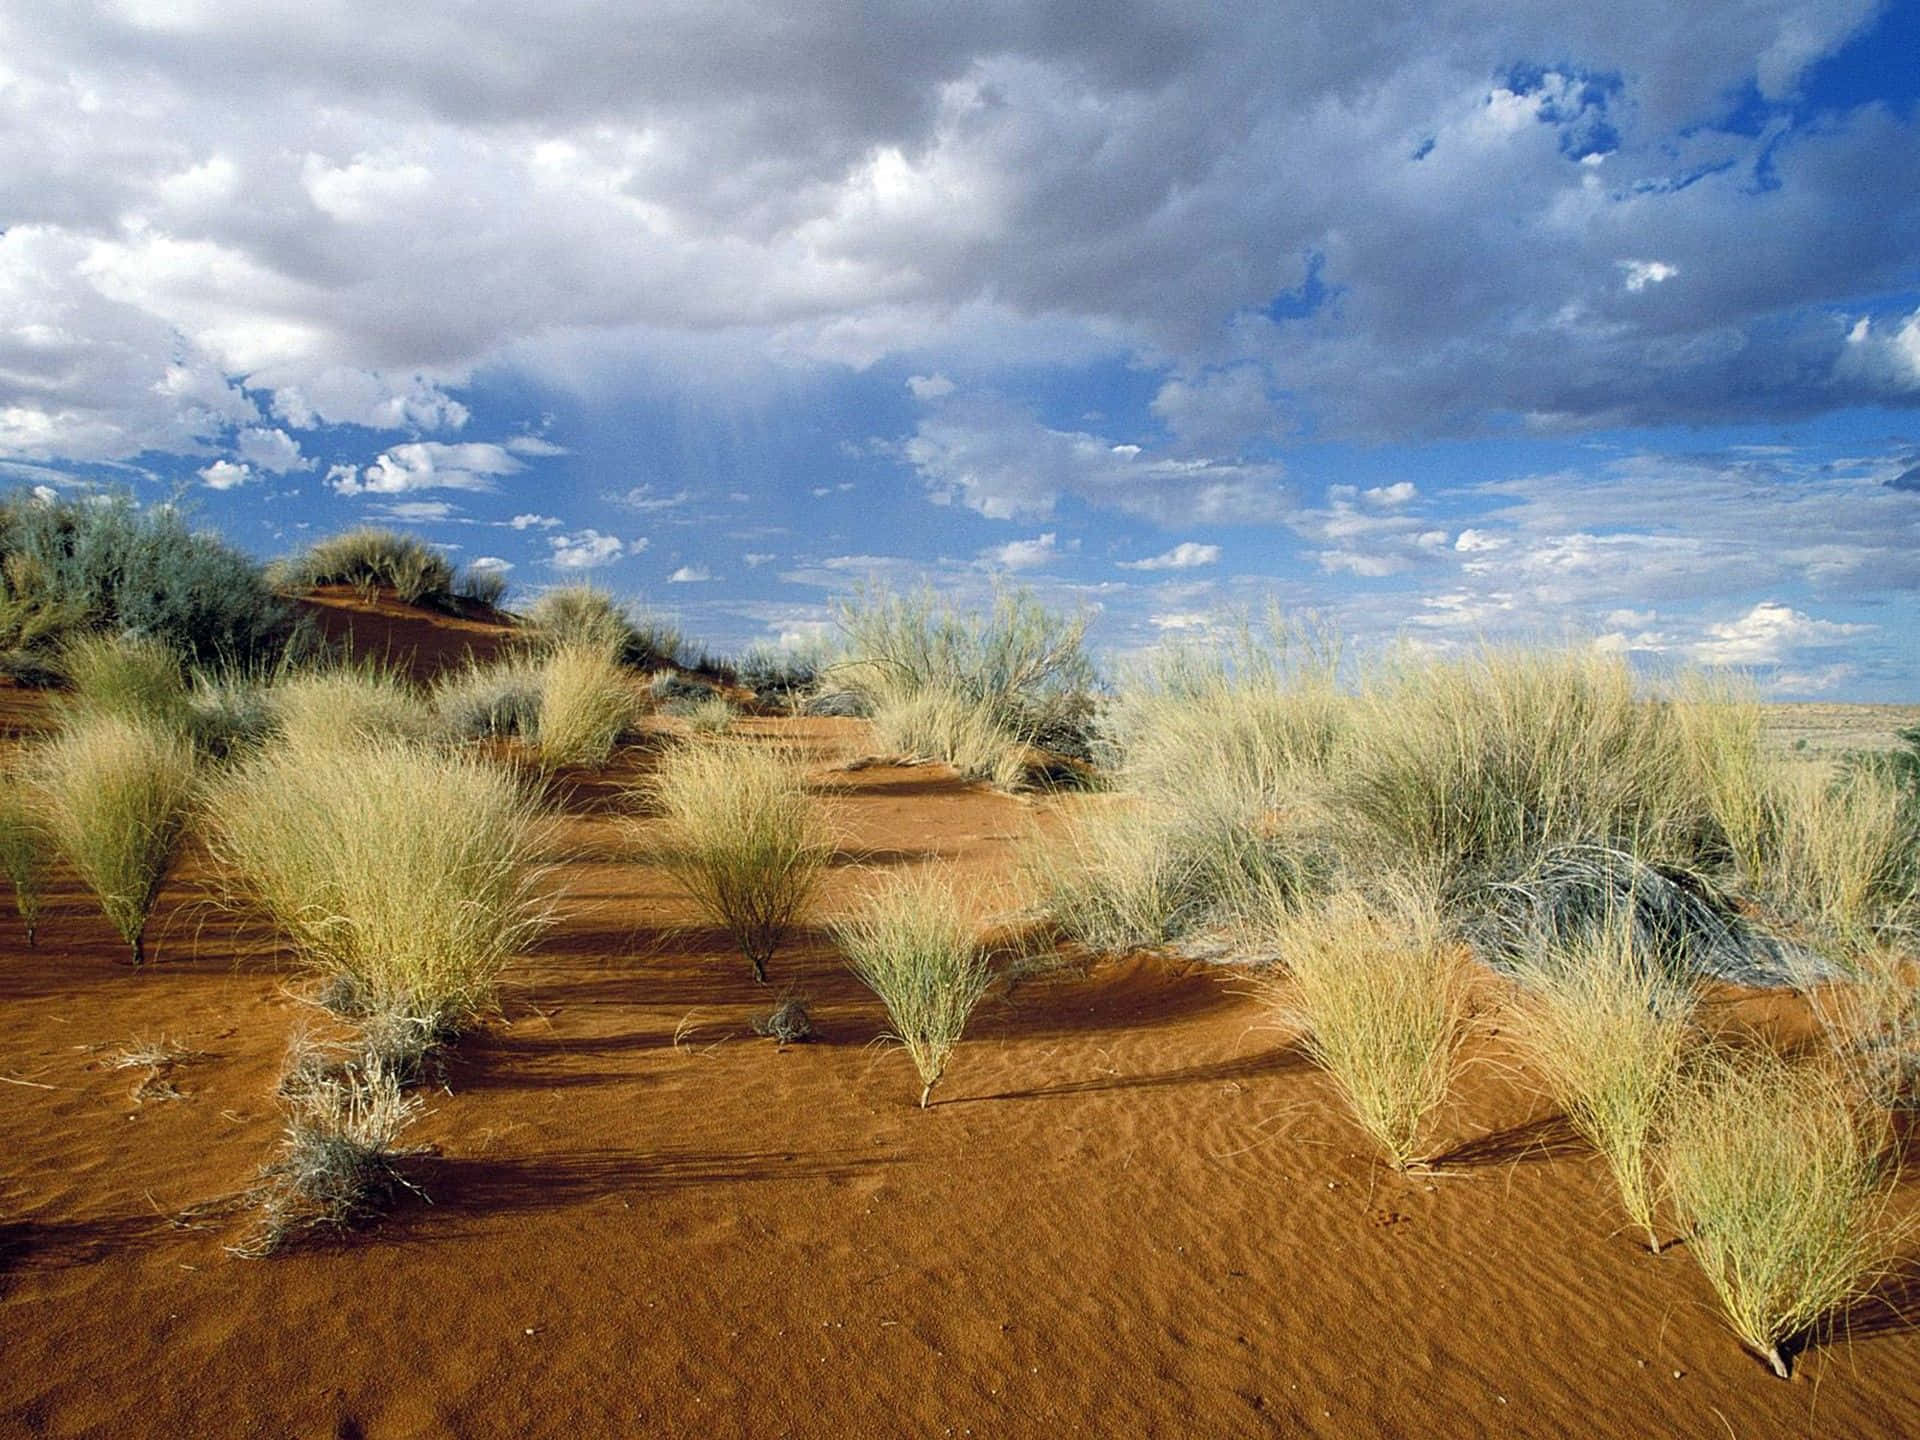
point(1134, 1209)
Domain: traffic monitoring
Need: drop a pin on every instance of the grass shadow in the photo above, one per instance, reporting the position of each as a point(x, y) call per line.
point(1549, 1137)
point(1245, 1067)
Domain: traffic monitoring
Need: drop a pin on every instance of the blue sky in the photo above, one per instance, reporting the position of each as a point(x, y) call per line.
point(1446, 322)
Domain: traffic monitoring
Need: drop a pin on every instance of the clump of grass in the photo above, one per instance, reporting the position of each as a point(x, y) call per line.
point(1782, 1179)
point(942, 725)
point(913, 947)
point(1610, 1033)
point(743, 839)
point(231, 712)
point(115, 794)
point(1872, 1015)
point(25, 851)
point(712, 716)
point(349, 705)
point(582, 615)
point(1844, 852)
point(338, 1163)
point(131, 676)
point(491, 701)
point(405, 871)
point(369, 558)
point(483, 585)
point(1022, 668)
point(585, 706)
point(1381, 1001)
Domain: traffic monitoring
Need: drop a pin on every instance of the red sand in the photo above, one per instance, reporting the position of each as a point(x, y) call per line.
point(1134, 1208)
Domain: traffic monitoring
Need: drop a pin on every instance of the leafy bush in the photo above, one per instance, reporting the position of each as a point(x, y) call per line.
point(116, 794)
point(912, 946)
point(1023, 669)
point(104, 564)
point(743, 839)
point(405, 872)
point(1600, 1020)
point(1782, 1180)
point(1381, 1002)
point(369, 558)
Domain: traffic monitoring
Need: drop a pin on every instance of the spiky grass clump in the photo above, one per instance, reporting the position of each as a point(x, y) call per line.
point(25, 851)
point(338, 1162)
point(404, 870)
point(349, 705)
point(1844, 856)
point(116, 794)
point(1465, 772)
point(232, 712)
point(942, 725)
point(743, 839)
point(913, 947)
point(1872, 1015)
point(586, 704)
point(127, 675)
point(1023, 668)
point(1782, 1179)
point(1126, 875)
point(491, 701)
point(712, 716)
point(1381, 1000)
point(368, 558)
point(582, 615)
point(1610, 1033)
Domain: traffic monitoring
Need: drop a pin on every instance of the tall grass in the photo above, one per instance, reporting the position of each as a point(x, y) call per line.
point(1023, 667)
point(1844, 854)
point(585, 706)
point(1871, 1013)
point(132, 676)
point(368, 558)
point(1782, 1179)
point(404, 871)
point(116, 794)
point(25, 850)
point(346, 705)
point(1465, 771)
point(1599, 1019)
point(743, 839)
point(494, 700)
point(582, 615)
point(939, 724)
point(912, 946)
point(1381, 1001)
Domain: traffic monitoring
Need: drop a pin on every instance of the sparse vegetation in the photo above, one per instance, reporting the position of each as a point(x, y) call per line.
point(1781, 1177)
point(1380, 999)
point(25, 851)
point(404, 872)
point(116, 794)
point(912, 945)
point(743, 838)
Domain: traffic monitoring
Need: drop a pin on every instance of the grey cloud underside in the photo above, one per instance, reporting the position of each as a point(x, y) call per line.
point(353, 207)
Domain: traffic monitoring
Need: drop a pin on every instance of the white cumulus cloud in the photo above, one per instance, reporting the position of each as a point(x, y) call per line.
point(1187, 555)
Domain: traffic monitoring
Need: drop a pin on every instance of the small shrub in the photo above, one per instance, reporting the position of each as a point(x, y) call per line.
point(585, 706)
point(1381, 1001)
point(912, 946)
point(787, 1023)
point(115, 794)
point(404, 869)
point(367, 558)
point(1601, 1022)
point(350, 705)
point(338, 1162)
point(780, 679)
point(743, 839)
point(25, 851)
point(130, 676)
point(667, 688)
point(713, 716)
point(1782, 1181)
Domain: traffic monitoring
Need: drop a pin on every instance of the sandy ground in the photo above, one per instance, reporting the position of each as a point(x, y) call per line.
point(1830, 728)
point(1134, 1209)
